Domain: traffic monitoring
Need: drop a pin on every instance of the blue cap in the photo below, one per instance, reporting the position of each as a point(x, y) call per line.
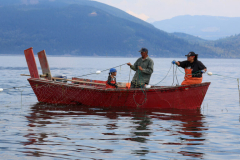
point(143, 50)
point(112, 70)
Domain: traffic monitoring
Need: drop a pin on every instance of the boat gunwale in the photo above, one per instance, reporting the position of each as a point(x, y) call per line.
point(153, 89)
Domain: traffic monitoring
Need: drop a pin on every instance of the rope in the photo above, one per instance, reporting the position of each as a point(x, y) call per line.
point(164, 77)
point(238, 83)
point(101, 71)
point(129, 75)
point(231, 78)
point(219, 76)
point(145, 94)
point(197, 72)
point(224, 76)
point(173, 76)
point(176, 76)
point(16, 87)
point(238, 90)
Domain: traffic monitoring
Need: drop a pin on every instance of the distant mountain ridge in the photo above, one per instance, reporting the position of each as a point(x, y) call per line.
point(88, 28)
point(205, 27)
point(76, 29)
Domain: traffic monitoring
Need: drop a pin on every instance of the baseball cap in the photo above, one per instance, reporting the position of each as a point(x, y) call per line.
point(112, 70)
point(191, 54)
point(143, 50)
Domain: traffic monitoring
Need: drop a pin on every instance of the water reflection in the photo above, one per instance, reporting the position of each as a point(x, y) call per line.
point(80, 129)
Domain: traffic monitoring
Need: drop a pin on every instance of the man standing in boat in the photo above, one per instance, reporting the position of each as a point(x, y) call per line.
point(144, 69)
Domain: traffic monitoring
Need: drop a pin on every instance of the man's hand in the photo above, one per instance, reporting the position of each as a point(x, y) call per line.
point(140, 68)
point(129, 64)
point(204, 70)
point(173, 62)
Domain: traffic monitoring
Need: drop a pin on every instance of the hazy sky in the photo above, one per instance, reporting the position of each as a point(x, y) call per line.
point(155, 10)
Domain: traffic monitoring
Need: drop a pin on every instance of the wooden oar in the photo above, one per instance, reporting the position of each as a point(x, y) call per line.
point(30, 75)
point(55, 78)
point(25, 75)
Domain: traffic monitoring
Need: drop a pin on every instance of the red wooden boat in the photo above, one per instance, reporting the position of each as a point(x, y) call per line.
point(95, 93)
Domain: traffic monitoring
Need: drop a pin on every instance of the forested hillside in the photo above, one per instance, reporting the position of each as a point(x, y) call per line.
point(228, 47)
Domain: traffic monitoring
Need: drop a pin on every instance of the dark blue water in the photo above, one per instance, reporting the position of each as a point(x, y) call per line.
point(29, 129)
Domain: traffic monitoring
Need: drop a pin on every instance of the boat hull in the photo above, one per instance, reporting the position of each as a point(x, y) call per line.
point(179, 97)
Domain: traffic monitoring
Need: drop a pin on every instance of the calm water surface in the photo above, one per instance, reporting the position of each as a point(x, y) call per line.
point(31, 130)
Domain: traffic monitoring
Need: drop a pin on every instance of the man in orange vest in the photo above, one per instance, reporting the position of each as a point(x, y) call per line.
point(193, 69)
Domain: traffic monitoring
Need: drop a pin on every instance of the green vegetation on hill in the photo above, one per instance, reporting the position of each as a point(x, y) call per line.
point(230, 46)
point(190, 38)
point(225, 48)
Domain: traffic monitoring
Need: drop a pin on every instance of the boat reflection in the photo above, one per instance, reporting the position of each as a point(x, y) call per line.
point(47, 122)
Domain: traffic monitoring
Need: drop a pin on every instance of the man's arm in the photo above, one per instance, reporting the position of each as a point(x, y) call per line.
point(133, 67)
point(149, 69)
point(202, 66)
point(182, 64)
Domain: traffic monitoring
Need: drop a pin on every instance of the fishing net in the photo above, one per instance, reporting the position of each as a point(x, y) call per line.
point(91, 94)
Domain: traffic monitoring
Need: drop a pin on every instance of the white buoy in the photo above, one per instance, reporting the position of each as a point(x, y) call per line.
point(98, 72)
point(148, 86)
point(1, 89)
point(209, 73)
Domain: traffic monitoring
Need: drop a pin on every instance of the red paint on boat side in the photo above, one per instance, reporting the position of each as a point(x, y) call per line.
point(179, 97)
point(44, 64)
point(32, 66)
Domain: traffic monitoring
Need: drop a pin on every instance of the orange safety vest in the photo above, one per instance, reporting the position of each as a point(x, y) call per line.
point(128, 85)
point(188, 79)
point(109, 86)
